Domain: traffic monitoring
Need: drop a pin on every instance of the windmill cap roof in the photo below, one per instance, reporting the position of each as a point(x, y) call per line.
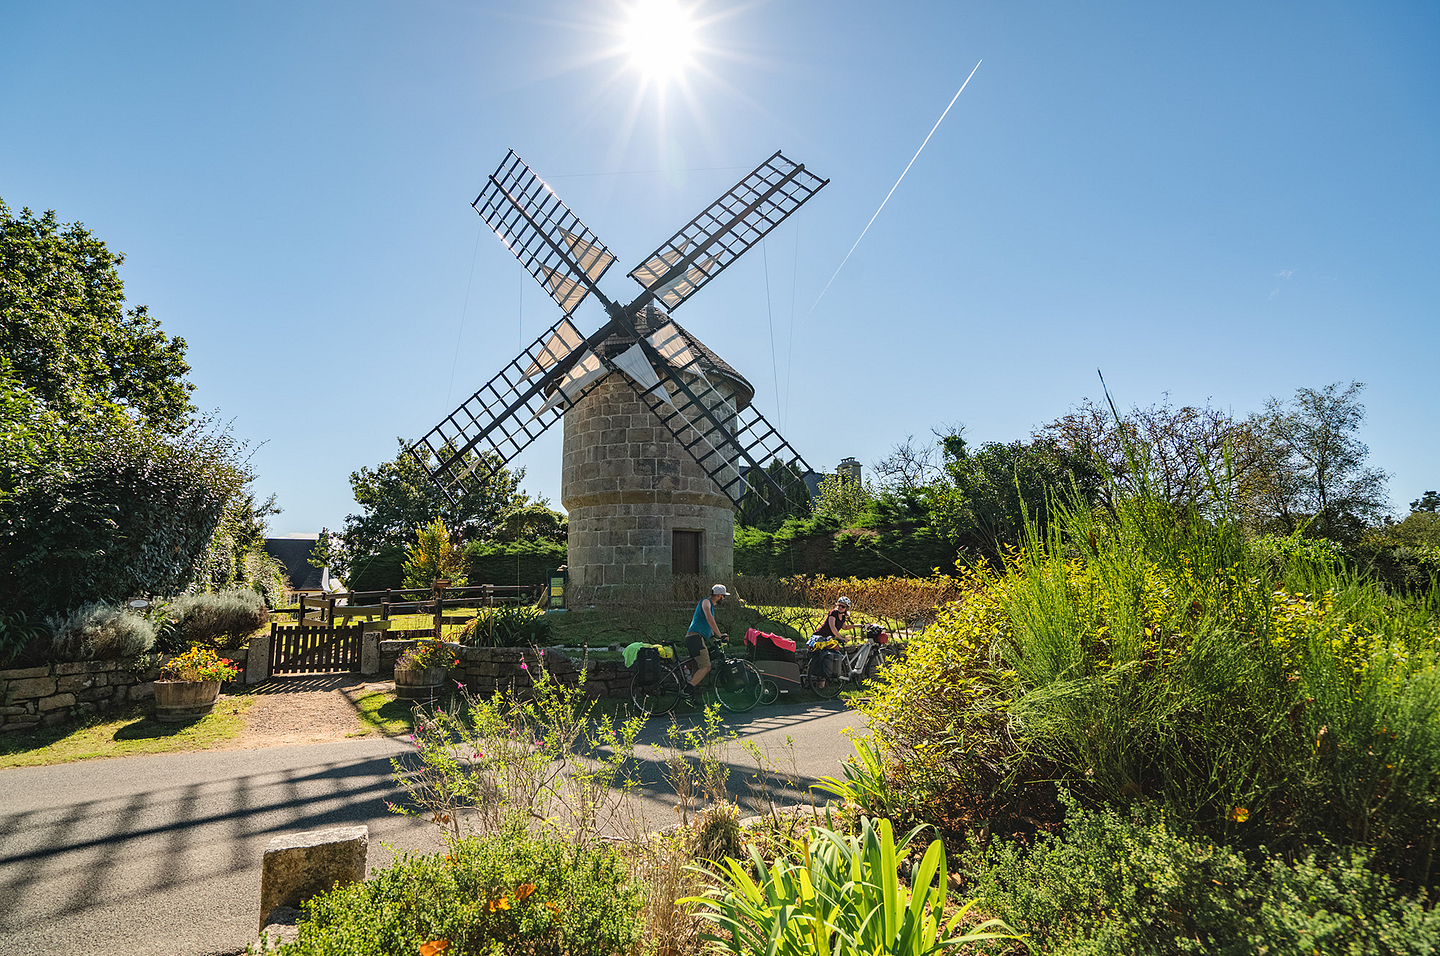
point(651, 319)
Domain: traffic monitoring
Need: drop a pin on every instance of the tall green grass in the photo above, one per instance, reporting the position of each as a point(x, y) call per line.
point(1150, 653)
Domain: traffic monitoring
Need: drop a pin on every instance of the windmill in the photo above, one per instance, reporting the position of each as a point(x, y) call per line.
point(661, 440)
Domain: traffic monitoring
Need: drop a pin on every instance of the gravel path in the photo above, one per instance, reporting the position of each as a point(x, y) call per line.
point(304, 710)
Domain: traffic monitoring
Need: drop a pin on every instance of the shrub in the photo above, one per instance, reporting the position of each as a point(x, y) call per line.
point(507, 625)
point(219, 620)
point(506, 892)
point(434, 556)
point(265, 574)
point(99, 632)
point(717, 833)
point(119, 511)
point(20, 637)
point(1147, 653)
point(1132, 886)
point(381, 571)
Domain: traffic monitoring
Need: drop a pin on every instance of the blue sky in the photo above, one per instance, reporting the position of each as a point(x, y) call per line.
point(1224, 201)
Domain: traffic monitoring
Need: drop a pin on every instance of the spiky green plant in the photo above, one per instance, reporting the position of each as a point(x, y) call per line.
point(839, 896)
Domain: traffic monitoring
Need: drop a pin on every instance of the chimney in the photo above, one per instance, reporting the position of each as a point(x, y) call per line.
point(850, 468)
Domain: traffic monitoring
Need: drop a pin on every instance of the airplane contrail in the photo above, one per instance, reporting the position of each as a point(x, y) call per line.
point(892, 191)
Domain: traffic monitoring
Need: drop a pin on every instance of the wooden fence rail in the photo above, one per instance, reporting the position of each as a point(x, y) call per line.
point(342, 606)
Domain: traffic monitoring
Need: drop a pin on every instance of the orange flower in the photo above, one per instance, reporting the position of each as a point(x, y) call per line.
point(523, 890)
point(434, 946)
point(503, 903)
point(1239, 814)
point(553, 908)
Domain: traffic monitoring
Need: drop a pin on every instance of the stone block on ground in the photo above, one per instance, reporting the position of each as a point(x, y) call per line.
point(283, 927)
point(301, 865)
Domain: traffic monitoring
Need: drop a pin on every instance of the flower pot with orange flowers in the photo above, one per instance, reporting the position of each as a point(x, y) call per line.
point(189, 685)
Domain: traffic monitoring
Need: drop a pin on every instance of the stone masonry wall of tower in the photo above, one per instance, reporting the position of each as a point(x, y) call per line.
point(627, 485)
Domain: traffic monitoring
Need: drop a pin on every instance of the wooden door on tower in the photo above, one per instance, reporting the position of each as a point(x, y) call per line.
point(685, 552)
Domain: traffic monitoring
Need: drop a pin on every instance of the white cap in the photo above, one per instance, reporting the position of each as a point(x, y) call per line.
point(718, 590)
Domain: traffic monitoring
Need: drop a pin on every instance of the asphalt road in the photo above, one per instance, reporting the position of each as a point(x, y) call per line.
point(161, 855)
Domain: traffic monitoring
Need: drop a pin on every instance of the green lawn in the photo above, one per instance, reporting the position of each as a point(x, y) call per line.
point(126, 733)
point(381, 711)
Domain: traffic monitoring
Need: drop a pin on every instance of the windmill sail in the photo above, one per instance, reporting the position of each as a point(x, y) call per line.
point(732, 445)
point(508, 413)
point(638, 369)
point(550, 241)
point(730, 225)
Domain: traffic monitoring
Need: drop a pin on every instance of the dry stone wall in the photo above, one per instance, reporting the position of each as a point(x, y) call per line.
point(485, 670)
point(54, 693)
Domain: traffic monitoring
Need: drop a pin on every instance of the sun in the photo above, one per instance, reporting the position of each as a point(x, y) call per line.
point(659, 38)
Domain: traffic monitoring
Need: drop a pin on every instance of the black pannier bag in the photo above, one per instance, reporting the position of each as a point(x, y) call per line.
point(648, 662)
point(832, 664)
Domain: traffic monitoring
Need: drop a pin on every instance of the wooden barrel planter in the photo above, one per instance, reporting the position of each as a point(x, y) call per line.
point(420, 684)
point(177, 701)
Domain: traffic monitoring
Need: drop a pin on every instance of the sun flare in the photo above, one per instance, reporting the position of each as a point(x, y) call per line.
point(659, 38)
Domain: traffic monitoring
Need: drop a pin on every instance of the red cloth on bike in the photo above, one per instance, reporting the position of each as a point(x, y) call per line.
point(753, 635)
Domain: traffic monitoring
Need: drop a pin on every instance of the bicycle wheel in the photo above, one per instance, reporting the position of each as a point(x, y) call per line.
point(822, 686)
point(658, 697)
point(770, 693)
point(739, 690)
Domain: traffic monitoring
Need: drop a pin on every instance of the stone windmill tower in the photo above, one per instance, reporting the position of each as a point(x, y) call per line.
point(662, 442)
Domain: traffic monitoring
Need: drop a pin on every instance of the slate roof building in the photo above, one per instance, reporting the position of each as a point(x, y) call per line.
point(302, 576)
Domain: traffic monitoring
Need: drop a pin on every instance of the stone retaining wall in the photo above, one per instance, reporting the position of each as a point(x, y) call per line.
point(484, 670)
point(54, 693)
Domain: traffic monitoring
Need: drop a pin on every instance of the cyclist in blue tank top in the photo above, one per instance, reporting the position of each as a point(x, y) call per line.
point(703, 625)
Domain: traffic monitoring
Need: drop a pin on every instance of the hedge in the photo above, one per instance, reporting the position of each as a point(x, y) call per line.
point(811, 547)
point(526, 563)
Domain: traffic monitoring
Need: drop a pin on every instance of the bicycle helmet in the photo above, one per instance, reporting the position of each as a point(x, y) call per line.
point(843, 602)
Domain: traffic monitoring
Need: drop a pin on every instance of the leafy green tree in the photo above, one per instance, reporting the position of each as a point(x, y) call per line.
point(396, 497)
point(434, 557)
point(990, 492)
point(69, 339)
point(120, 512)
point(843, 498)
point(1318, 476)
point(1200, 456)
point(109, 487)
point(1428, 502)
point(532, 521)
point(758, 512)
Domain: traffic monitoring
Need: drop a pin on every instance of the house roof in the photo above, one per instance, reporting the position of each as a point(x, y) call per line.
point(294, 553)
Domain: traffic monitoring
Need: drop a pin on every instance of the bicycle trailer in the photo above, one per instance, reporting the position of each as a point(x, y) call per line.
point(774, 656)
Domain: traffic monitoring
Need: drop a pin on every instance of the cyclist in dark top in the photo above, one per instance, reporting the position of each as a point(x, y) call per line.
point(834, 621)
point(703, 625)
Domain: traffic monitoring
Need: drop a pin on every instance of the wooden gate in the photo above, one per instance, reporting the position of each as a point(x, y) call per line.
point(314, 649)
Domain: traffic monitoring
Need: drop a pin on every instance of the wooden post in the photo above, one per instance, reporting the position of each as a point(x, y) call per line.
point(439, 606)
point(385, 606)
